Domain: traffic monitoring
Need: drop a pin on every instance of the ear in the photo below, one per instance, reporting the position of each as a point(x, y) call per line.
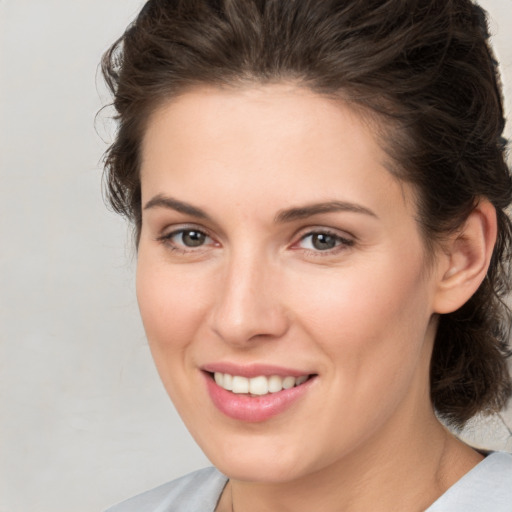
point(466, 259)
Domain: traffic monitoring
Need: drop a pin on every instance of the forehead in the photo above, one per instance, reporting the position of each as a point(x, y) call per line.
point(259, 114)
point(276, 141)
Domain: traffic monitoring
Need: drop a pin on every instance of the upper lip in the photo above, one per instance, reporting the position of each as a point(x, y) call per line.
point(253, 370)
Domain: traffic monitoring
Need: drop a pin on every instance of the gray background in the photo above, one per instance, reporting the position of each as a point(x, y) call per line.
point(84, 421)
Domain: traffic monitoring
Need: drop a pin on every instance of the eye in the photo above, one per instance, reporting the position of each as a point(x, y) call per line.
point(191, 238)
point(186, 239)
point(323, 241)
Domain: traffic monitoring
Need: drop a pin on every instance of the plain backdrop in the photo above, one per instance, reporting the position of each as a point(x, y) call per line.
point(84, 421)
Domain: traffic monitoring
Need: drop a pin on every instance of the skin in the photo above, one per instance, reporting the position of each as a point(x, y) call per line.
point(360, 315)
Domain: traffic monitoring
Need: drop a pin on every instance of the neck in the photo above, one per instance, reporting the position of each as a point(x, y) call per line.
point(401, 470)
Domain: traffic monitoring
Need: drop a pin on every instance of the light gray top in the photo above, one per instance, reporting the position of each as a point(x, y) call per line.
point(486, 488)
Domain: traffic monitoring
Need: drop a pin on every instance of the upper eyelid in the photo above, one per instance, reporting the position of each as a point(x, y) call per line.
point(169, 231)
point(312, 230)
point(214, 231)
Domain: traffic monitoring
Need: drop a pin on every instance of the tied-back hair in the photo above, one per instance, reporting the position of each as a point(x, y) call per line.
point(422, 69)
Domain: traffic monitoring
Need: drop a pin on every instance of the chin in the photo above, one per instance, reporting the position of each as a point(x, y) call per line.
point(255, 461)
point(249, 471)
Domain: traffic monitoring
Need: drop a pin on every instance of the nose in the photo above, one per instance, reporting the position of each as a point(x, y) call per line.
point(249, 304)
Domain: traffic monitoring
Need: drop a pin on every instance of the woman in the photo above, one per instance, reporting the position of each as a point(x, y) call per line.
point(318, 191)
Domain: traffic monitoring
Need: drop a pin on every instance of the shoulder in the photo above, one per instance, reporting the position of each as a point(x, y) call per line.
point(198, 491)
point(487, 487)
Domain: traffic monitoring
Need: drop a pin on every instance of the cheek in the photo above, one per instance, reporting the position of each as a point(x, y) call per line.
point(372, 330)
point(171, 304)
point(370, 321)
point(172, 309)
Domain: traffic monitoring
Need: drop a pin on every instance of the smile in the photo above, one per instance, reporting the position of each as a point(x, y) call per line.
point(255, 397)
point(259, 386)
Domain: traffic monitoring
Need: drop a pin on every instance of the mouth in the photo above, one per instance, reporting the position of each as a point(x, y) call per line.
point(257, 397)
point(260, 385)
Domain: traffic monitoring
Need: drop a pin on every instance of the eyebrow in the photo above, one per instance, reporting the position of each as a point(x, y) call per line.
point(304, 212)
point(179, 206)
point(288, 215)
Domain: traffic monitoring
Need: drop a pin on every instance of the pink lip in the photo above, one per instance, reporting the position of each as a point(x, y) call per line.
point(253, 370)
point(254, 408)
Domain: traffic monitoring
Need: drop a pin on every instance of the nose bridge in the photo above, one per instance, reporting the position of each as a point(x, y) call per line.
point(248, 304)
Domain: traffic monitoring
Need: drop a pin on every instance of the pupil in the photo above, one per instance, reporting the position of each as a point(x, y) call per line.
point(193, 238)
point(323, 242)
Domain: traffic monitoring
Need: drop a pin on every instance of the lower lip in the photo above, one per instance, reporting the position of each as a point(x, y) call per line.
point(254, 408)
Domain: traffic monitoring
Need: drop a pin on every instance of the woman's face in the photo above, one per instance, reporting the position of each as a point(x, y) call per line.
point(276, 247)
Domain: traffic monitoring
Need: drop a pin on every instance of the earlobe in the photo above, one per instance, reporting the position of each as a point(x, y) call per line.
point(468, 253)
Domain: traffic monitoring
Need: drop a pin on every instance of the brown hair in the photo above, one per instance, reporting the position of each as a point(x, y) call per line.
point(424, 66)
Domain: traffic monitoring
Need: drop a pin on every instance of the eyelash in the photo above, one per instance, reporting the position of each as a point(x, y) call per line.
point(341, 242)
point(166, 239)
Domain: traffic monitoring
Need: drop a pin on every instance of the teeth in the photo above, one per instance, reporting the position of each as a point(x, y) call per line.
point(275, 384)
point(228, 382)
point(288, 382)
point(240, 384)
point(257, 385)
